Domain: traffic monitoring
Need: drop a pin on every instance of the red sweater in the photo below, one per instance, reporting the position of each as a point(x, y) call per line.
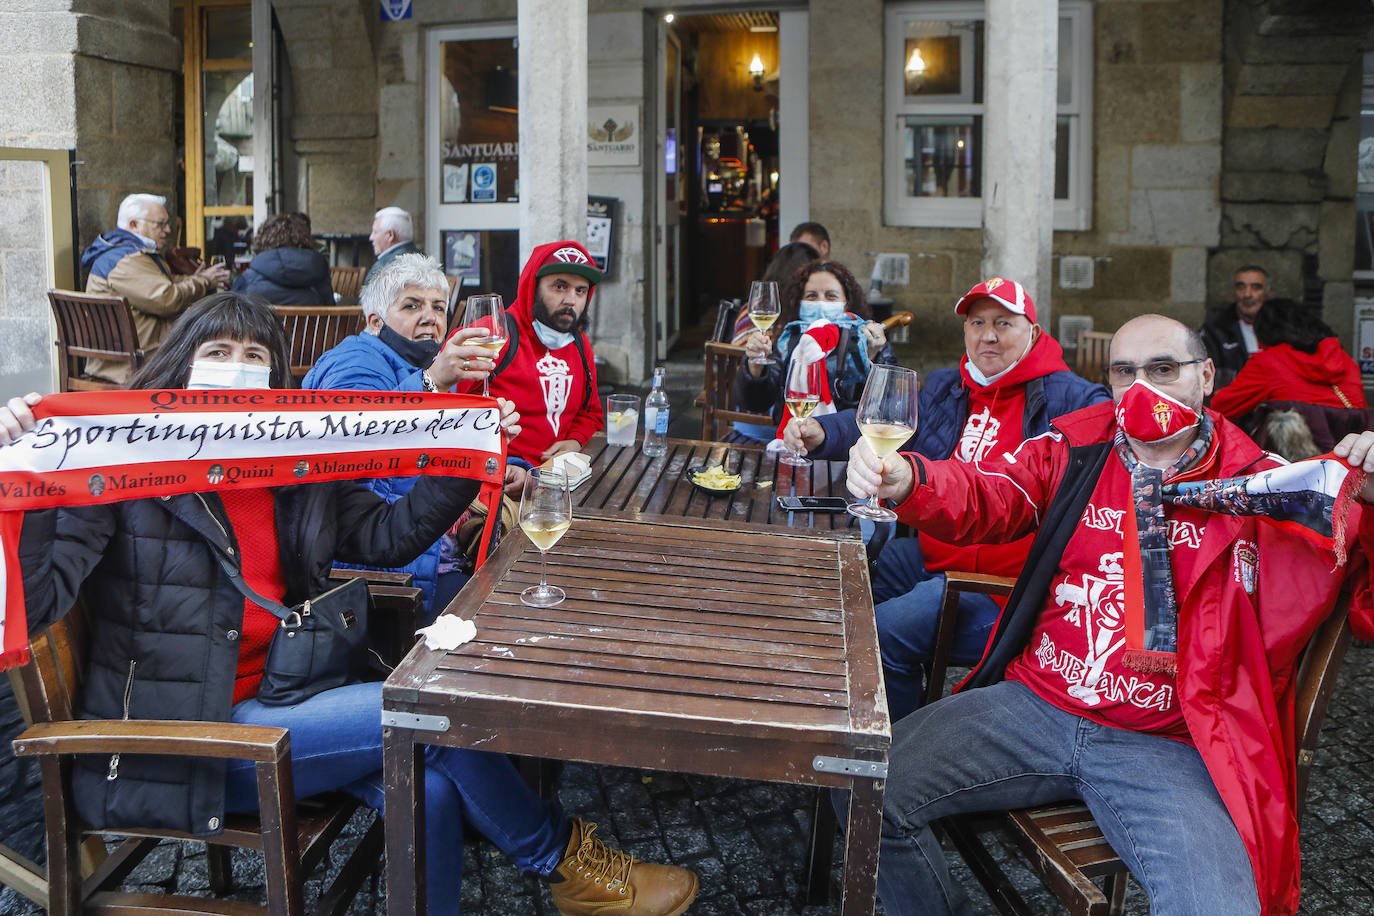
point(1281, 373)
point(252, 515)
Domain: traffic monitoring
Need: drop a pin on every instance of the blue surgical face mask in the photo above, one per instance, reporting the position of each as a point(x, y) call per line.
point(819, 309)
point(551, 338)
point(208, 374)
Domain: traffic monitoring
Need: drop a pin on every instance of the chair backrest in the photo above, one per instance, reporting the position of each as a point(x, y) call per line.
point(718, 405)
point(98, 326)
point(1327, 424)
point(727, 313)
point(313, 329)
point(347, 282)
point(1091, 360)
point(49, 687)
point(1316, 680)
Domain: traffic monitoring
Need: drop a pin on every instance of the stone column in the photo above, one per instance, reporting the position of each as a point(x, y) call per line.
point(553, 121)
point(1022, 54)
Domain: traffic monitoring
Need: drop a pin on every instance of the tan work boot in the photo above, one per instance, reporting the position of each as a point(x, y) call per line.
point(593, 879)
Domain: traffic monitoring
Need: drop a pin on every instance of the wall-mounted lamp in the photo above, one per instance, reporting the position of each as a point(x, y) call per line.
point(669, 17)
point(756, 71)
point(915, 68)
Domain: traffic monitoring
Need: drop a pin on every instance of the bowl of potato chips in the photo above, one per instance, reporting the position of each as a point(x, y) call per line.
point(713, 478)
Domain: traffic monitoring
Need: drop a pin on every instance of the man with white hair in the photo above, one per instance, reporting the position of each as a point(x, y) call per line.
point(392, 234)
point(402, 348)
point(125, 262)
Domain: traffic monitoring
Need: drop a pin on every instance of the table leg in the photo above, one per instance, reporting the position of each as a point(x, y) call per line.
point(861, 846)
point(403, 776)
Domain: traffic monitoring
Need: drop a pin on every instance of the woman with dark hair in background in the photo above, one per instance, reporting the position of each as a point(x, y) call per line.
point(819, 293)
point(1301, 361)
point(286, 269)
point(790, 258)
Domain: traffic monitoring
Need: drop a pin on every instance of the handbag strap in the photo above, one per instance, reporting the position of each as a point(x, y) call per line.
point(1341, 394)
point(277, 609)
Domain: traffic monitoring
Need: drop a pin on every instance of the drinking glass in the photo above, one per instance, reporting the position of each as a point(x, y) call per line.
point(486, 311)
point(801, 393)
point(887, 418)
point(622, 419)
point(763, 311)
point(216, 260)
point(545, 514)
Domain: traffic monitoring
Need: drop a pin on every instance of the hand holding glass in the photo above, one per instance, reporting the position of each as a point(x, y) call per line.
point(763, 311)
point(545, 514)
point(487, 311)
point(887, 418)
point(801, 394)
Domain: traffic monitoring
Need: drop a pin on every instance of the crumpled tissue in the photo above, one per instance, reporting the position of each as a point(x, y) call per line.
point(448, 632)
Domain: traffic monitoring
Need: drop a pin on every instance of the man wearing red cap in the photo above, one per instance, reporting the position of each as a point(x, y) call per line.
point(1010, 384)
point(546, 367)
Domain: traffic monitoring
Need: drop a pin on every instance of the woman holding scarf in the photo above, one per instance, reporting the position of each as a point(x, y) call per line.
point(174, 637)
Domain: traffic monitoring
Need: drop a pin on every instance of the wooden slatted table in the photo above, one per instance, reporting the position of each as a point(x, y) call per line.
point(625, 480)
point(684, 645)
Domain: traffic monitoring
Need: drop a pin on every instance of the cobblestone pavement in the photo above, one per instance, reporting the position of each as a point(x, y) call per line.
point(747, 840)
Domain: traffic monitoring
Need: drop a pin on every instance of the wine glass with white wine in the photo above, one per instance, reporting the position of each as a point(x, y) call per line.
point(887, 418)
point(801, 394)
point(545, 515)
point(488, 312)
point(763, 311)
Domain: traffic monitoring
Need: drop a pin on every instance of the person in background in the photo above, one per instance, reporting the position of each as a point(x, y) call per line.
point(1011, 383)
point(401, 348)
point(813, 234)
point(790, 258)
point(821, 293)
point(1301, 360)
point(393, 233)
point(286, 269)
point(1229, 333)
point(126, 262)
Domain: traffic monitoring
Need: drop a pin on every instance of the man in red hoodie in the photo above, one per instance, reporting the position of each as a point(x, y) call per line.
point(546, 367)
point(1145, 662)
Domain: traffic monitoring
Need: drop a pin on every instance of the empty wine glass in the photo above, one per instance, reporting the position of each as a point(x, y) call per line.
point(488, 312)
point(887, 418)
point(545, 514)
point(763, 311)
point(801, 393)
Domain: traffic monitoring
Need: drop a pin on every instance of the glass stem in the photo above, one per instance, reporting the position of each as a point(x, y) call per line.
point(543, 570)
point(873, 503)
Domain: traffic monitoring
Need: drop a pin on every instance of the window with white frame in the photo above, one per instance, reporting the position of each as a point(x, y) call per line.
point(934, 86)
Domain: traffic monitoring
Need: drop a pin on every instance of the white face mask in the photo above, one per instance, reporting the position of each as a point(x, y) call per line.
point(208, 374)
point(552, 338)
point(976, 374)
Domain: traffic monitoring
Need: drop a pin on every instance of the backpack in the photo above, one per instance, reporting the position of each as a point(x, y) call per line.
point(513, 344)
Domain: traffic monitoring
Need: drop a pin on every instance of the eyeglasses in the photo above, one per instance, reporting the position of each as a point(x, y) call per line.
point(1161, 371)
point(160, 223)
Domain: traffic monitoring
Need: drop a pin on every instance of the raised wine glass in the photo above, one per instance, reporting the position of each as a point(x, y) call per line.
point(801, 394)
point(887, 418)
point(545, 514)
point(763, 311)
point(488, 312)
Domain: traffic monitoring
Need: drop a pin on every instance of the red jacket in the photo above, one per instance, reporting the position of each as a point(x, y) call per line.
point(554, 391)
point(1281, 373)
point(1237, 652)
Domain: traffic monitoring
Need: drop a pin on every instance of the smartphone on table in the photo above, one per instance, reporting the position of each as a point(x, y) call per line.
point(813, 503)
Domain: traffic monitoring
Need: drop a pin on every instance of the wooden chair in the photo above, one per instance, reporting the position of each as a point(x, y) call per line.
point(93, 326)
point(718, 403)
point(1091, 360)
point(294, 838)
point(347, 282)
point(313, 329)
point(1062, 842)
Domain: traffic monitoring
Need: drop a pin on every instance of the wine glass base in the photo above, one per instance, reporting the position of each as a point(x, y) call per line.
point(796, 461)
point(542, 596)
point(766, 361)
point(874, 513)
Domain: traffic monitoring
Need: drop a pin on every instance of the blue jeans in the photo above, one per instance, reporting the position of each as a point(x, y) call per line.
point(1001, 747)
point(906, 601)
point(336, 743)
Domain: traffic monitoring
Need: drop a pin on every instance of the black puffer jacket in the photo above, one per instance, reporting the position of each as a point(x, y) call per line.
point(288, 276)
point(165, 618)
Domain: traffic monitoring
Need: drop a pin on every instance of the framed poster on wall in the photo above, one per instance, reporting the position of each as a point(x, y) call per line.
point(601, 232)
point(463, 256)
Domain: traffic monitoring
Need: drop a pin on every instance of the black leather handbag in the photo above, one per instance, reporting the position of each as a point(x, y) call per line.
point(318, 645)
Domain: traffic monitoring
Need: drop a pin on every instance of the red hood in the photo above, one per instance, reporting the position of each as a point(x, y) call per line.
point(523, 306)
point(1328, 366)
point(1044, 357)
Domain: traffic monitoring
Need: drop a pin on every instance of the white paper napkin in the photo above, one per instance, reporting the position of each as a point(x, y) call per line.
point(448, 632)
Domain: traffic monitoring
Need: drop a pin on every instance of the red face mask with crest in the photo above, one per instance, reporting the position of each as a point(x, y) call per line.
point(1147, 414)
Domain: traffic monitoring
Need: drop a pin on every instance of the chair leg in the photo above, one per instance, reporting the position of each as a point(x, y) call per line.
point(219, 868)
point(1116, 892)
point(820, 855)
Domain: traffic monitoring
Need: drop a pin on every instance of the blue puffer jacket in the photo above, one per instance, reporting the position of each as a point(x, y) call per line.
point(364, 362)
point(288, 276)
point(942, 408)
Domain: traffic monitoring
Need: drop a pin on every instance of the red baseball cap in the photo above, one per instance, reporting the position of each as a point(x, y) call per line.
point(1007, 293)
point(569, 258)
